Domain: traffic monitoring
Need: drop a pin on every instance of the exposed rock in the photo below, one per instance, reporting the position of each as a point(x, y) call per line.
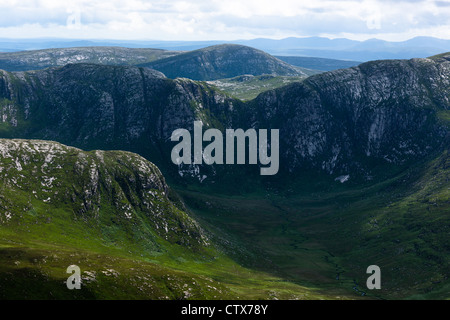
point(99, 187)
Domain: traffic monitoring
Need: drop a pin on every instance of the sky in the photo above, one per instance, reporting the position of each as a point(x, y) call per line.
point(391, 20)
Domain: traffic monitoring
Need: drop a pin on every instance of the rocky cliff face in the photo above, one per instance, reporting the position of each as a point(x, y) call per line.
point(341, 122)
point(382, 110)
point(107, 107)
point(89, 104)
point(223, 61)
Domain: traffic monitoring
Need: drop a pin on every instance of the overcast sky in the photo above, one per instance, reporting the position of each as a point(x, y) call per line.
point(224, 19)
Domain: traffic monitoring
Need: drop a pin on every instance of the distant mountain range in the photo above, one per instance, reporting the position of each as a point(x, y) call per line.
point(342, 49)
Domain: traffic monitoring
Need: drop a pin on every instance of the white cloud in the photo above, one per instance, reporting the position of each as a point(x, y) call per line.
point(225, 20)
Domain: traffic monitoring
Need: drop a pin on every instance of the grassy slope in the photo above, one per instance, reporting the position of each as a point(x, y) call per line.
point(328, 239)
point(35, 254)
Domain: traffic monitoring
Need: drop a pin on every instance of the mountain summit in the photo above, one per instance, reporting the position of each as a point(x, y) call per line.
point(223, 61)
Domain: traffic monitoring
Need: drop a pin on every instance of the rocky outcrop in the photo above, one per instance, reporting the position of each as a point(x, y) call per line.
point(343, 122)
point(105, 189)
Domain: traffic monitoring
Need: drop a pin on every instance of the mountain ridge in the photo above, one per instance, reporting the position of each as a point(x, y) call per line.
point(41, 59)
point(373, 111)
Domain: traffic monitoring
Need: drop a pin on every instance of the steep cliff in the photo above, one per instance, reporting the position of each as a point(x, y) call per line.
point(348, 121)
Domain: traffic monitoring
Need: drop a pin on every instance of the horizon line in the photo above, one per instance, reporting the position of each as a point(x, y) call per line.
point(15, 39)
